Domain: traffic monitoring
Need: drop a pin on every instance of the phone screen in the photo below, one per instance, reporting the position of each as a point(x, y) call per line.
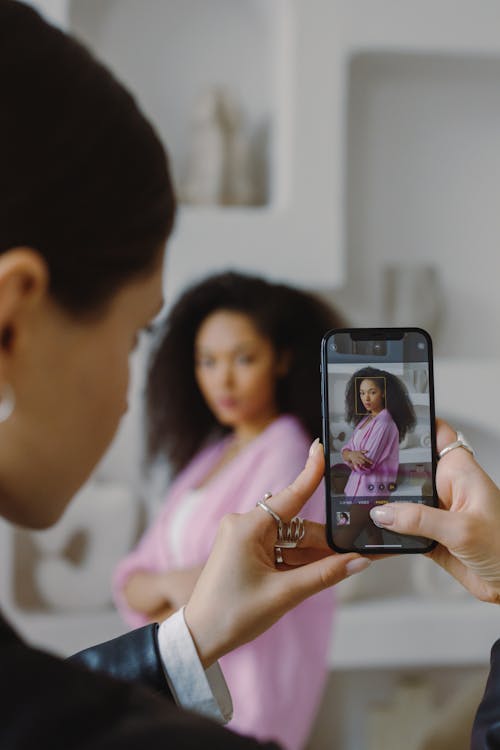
point(378, 432)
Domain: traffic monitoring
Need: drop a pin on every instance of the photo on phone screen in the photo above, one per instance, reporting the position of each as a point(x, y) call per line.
point(378, 432)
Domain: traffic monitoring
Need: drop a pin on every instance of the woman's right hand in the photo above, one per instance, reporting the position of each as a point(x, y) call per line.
point(358, 460)
point(242, 591)
point(467, 525)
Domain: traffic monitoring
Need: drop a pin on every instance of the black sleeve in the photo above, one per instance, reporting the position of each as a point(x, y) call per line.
point(486, 728)
point(134, 657)
point(62, 705)
point(51, 703)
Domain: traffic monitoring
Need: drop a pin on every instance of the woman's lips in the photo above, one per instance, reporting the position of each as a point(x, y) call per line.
point(227, 403)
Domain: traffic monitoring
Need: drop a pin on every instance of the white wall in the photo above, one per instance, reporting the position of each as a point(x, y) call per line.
point(422, 128)
point(423, 187)
point(167, 52)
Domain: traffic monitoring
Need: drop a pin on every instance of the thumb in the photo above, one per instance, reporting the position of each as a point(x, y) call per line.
point(417, 519)
point(289, 501)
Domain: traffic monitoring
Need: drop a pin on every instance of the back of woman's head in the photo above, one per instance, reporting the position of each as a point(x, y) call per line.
point(83, 178)
point(178, 419)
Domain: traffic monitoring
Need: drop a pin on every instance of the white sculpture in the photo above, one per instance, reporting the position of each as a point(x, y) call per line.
point(219, 166)
point(412, 295)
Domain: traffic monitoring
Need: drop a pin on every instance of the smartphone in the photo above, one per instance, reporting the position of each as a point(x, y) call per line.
point(378, 433)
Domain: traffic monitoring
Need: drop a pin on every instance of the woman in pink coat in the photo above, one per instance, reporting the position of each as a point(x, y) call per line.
point(233, 404)
point(377, 403)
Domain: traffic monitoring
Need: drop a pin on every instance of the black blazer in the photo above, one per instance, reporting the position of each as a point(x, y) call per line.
point(135, 657)
point(486, 729)
point(49, 703)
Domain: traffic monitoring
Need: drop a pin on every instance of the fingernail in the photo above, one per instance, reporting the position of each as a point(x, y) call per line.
point(357, 565)
point(382, 515)
point(313, 447)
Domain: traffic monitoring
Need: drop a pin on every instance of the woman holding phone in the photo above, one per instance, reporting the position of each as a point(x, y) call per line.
point(86, 208)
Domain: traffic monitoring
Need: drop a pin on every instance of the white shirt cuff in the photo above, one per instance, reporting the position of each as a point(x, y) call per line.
point(194, 688)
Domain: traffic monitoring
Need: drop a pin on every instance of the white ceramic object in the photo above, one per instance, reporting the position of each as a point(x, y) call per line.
point(218, 169)
point(411, 295)
point(106, 515)
point(203, 182)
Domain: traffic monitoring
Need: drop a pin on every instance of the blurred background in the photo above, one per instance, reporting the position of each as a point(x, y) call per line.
point(350, 147)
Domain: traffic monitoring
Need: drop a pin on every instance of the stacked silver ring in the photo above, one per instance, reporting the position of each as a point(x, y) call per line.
point(289, 534)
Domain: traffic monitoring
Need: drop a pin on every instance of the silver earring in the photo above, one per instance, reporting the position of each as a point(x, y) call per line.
point(7, 402)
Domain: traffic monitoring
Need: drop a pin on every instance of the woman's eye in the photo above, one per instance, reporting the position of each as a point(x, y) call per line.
point(205, 362)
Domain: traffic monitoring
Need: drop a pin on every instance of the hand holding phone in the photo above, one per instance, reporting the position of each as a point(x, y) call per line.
point(465, 525)
point(377, 393)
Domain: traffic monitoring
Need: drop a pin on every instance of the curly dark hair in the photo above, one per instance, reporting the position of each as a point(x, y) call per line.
point(398, 402)
point(178, 421)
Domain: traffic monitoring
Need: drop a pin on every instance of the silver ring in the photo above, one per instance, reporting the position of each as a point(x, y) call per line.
point(277, 555)
point(460, 442)
point(262, 504)
point(289, 534)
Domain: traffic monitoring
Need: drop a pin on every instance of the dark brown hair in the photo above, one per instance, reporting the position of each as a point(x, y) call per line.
point(178, 419)
point(83, 176)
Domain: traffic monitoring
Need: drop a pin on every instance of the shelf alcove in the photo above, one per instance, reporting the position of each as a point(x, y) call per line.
point(422, 187)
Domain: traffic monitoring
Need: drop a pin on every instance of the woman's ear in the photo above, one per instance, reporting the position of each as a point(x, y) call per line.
point(24, 281)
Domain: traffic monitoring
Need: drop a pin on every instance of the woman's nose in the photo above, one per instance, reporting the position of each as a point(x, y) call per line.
point(226, 374)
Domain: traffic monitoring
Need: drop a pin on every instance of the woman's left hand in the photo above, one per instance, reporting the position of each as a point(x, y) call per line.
point(466, 524)
point(241, 592)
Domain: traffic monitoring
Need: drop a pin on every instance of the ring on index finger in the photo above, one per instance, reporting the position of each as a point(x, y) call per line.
point(262, 504)
point(289, 534)
point(460, 442)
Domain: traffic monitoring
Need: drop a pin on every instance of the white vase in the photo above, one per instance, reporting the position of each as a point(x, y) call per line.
point(411, 295)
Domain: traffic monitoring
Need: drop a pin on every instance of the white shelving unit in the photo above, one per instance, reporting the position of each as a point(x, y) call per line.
point(277, 58)
point(414, 632)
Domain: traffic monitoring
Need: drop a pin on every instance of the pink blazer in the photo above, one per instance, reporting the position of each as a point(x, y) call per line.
point(276, 681)
point(380, 439)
